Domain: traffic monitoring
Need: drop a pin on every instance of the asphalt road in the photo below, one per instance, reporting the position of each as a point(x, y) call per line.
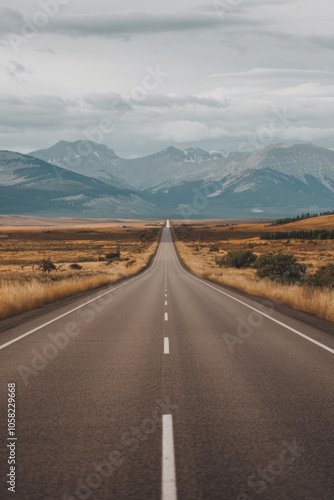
point(168, 386)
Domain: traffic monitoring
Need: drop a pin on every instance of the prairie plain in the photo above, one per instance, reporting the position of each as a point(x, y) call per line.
point(202, 244)
point(41, 264)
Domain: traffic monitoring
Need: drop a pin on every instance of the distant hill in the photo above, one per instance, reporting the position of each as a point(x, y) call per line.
point(29, 186)
point(321, 222)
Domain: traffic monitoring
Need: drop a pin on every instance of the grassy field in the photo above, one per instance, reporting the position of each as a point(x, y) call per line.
point(199, 247)
point(79, 257)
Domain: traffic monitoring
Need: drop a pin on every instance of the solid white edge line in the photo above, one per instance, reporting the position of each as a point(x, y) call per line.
point(82, 305)
point(168, 459)
point(166, 345)
point(254, 308)
point(166, 316)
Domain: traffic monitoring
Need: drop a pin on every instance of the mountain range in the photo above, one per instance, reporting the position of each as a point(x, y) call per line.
point(84, 178)
point(30, 186)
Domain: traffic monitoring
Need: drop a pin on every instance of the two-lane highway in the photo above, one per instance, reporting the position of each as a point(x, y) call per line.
point(169, 386)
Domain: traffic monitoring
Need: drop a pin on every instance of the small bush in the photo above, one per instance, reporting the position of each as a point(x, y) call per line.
point(238, 259)
point(75, 266)
point(47, 266)
point(280, 267)
point(323, 277)
point(130, 263)
point(112, 256)
point(214, 248)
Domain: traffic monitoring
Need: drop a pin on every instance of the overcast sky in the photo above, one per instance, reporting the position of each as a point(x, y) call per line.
point(140, 76)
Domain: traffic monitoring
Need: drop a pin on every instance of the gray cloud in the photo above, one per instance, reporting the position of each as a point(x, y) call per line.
point(16, 71)
point(123, 102)
point(46, 51)
point(114, 25)
point(268, 74)
point(240, 4)
point(230, 64)
point(35, 112)
point(139, 128)
point(297, 41)
point(11, 21)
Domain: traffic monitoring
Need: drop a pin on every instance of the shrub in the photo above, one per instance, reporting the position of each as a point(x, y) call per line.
point(113, 255)
point(280, 267)
point(75, 266)
point(214, 248)
point(238, 259)
point(47, 265)
point(323, 277)
point(130, 263)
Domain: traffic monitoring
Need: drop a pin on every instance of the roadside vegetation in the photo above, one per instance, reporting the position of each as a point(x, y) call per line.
point(40, 266)
point(298, 273)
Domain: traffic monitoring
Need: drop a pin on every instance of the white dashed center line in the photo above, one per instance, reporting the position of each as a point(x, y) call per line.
point(166, 316)
point(168, 459)
point(166, 303)
point(166, 345)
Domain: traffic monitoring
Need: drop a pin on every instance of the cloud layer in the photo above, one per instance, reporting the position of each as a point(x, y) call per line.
point(217, 75)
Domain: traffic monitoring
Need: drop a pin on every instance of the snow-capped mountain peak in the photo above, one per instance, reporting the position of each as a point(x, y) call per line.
point(278, 178)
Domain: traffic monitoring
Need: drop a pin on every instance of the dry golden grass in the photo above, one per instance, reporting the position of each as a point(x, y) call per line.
point(322, 222)
point(247, 237)
point(312, 300)
point(24, 287)
point(18, 297)
point(24, 222)
point(210, 231)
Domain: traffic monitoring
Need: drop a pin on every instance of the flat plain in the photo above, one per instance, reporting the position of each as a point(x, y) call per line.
point(201, 244)
point(41, 264)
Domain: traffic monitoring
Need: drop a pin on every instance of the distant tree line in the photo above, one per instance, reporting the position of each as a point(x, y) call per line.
point(287, 220)
point(316, 234)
